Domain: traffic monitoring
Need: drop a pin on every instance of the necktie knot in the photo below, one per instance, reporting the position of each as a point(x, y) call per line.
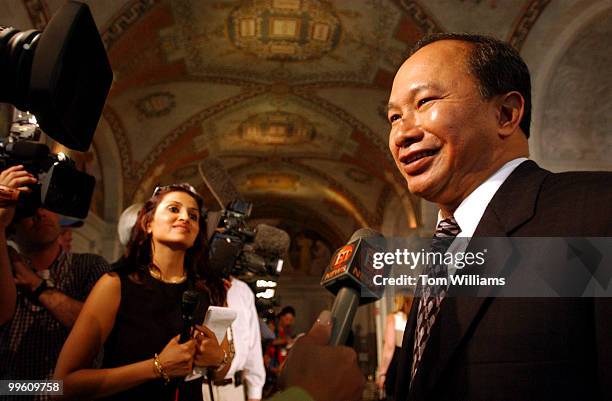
point(447, 228)
point(445, 233)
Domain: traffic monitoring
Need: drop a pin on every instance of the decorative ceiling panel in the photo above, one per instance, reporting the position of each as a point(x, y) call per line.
point(296, 41)
point(150, 113)
point(246, 128)
point(492, 17)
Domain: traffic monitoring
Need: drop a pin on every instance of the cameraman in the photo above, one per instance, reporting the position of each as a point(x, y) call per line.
point(40, 304)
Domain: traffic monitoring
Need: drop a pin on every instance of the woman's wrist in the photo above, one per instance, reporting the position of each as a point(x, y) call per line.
point(159, 370)
point(224, 362)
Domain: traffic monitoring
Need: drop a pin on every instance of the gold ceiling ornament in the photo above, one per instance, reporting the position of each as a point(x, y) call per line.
point(276, 128)
point(285, 30)
point(156, 104)
point(283, 182)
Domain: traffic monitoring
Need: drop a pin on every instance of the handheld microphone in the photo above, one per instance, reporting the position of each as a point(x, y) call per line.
point(188, 306)
point(349, 276)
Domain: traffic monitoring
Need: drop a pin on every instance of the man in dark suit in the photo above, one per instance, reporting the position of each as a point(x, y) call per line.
point(460, 112)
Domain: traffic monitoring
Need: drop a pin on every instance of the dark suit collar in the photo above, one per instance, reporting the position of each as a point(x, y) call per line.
point(512, 205)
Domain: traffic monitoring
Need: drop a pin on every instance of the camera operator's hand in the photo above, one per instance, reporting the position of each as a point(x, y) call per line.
point(12, 181)
point(327, 373)
point(24, 275)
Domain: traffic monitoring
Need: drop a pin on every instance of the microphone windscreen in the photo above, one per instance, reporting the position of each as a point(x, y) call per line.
point(271, 240)
point(218, 181)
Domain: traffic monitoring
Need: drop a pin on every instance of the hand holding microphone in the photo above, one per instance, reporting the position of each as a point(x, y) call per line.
point(319, 362)
point(326, 372)
point(177, 358)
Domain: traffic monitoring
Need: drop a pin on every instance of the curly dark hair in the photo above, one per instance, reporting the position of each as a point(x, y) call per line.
point(138, 258)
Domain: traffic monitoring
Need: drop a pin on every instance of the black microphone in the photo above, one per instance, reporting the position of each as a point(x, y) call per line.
point(188, 306)
point(350, 276)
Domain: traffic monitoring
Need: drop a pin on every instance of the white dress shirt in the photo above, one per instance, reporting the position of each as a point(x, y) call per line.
point(247, 339)
point(470, 211)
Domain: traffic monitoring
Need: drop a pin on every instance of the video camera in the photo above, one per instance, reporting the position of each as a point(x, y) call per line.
point(62, 76)
point(253, 256)
point(237, 250)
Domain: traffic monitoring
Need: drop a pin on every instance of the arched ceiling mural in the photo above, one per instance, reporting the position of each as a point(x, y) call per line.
point(289, 95)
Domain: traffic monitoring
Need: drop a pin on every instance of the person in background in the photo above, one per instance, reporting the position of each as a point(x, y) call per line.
point(268, 330)
point(277, 350)
point(135, 311)
point(392, 345)
point(244, 335)
point(267, 327)
point(42, 288)
point(126, 222)
point(316, 371)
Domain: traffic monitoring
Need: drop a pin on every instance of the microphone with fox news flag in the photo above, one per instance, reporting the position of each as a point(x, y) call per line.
point(350, 276)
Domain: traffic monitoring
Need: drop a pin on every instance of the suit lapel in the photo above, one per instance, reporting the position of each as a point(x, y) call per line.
point(513, 205)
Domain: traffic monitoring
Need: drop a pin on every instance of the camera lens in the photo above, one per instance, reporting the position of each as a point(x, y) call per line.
point(16, 54)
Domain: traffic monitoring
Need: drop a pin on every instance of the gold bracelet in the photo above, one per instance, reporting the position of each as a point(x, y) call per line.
point(159, 369)
point(224, 362)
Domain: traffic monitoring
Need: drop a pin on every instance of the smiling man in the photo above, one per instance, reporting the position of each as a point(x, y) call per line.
point(460, 110)
point(447, 137)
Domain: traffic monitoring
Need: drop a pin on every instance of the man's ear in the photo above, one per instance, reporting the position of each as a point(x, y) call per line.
point(510, 113)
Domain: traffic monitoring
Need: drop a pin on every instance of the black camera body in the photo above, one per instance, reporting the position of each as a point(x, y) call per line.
point(61, 75)
point(229, 239)
point(61, 188)
point(239, 251)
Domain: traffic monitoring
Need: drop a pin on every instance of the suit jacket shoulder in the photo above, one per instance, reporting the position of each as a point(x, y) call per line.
point(535, 202)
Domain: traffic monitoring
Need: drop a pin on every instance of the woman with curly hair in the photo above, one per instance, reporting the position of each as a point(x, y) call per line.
point(134, 313)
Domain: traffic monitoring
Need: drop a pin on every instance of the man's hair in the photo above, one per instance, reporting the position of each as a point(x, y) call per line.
point(285, 310)
point(497, 67)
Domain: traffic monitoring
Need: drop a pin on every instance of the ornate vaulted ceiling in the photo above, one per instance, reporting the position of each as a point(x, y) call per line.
point(288, 94)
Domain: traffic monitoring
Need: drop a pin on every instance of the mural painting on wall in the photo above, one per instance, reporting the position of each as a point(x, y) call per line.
point(309, 253)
